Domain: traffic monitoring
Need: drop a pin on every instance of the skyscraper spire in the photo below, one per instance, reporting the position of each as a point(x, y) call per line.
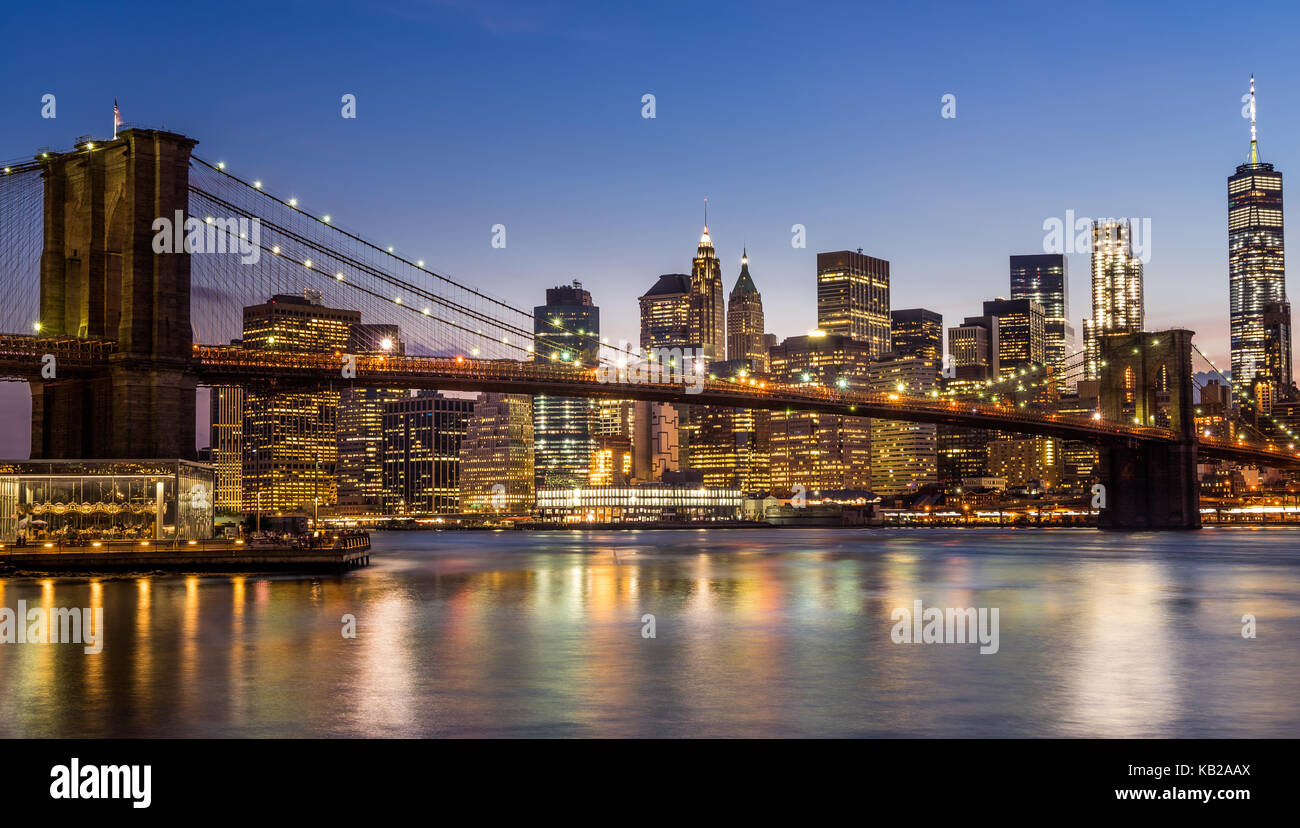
point(1254, 142)
point(745, 321)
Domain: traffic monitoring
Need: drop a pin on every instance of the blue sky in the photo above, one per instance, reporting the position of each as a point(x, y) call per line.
point(826, 115)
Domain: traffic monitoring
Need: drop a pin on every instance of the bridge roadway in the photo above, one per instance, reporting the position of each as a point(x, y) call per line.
point(21, 360)
point(224, 365)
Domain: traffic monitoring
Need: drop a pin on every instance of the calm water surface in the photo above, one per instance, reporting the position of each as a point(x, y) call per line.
point(758, 633)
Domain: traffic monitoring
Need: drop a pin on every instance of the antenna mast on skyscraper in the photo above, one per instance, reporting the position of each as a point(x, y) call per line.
point(1254, 143)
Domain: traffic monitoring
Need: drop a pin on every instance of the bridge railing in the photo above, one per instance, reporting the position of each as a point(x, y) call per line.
point(63, 347)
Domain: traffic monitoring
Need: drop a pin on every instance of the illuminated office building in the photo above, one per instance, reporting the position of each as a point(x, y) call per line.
point(916, 332)
point(853, 298)
point(1256, 269)
point(656, 443)
point(666, 313)
point(904, 456)
point(975, 343)
point(567, 330)
point(960, 453)
point(227, 440)
point(360, 426)
point(963, 452)
point(1022, 334)
point(496, 456)
point(1080, 461)
point(614, 432)
point(1277, 344)
point(1044, 278)
point(731, 447)
point(290, 439)
point(819, 451)
point(422, 441)
point(1021, 459)
point(660, 430)
point(1117, 304)
point(746, 340)
point(708, 312)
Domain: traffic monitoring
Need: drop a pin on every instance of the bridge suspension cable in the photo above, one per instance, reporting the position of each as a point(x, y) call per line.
point(1284, 428)
point(478, 309)
point(22, 209)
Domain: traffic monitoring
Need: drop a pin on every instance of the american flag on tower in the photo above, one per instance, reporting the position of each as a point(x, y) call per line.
point(117, 119)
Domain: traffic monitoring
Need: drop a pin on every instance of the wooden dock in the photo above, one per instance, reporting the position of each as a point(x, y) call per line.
point(324, 554)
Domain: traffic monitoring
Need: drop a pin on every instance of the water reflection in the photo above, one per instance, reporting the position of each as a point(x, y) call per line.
point(777, 633)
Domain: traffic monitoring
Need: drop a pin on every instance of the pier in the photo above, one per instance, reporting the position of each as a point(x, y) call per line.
point(324, 553)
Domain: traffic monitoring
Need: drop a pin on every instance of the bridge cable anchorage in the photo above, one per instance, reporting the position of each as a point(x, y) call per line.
point(581, 337)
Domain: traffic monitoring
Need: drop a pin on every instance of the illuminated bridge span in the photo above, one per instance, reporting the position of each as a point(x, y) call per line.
point(104, 278)
point(239, 366)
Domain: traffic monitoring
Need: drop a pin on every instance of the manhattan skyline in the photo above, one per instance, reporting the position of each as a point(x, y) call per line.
point(533, 119)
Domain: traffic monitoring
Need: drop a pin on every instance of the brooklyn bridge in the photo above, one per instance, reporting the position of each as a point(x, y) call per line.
point(114, 337)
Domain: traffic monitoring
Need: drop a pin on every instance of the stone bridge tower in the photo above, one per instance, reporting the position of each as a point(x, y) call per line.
point(1147, 380)
point(100, 279)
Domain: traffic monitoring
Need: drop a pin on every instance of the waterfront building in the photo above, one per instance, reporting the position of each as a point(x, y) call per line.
point(290, 441)
point(651, 502)
point(360, 425)
point(496, 456)
point(422, 441)
point(1022, 460)
point(226, 429)
point(92, 501)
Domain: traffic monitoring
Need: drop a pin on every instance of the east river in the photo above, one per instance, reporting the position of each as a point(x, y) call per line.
point(784, 632)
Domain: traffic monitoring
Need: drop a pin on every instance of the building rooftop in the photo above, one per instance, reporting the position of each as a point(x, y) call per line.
point(670, 283)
